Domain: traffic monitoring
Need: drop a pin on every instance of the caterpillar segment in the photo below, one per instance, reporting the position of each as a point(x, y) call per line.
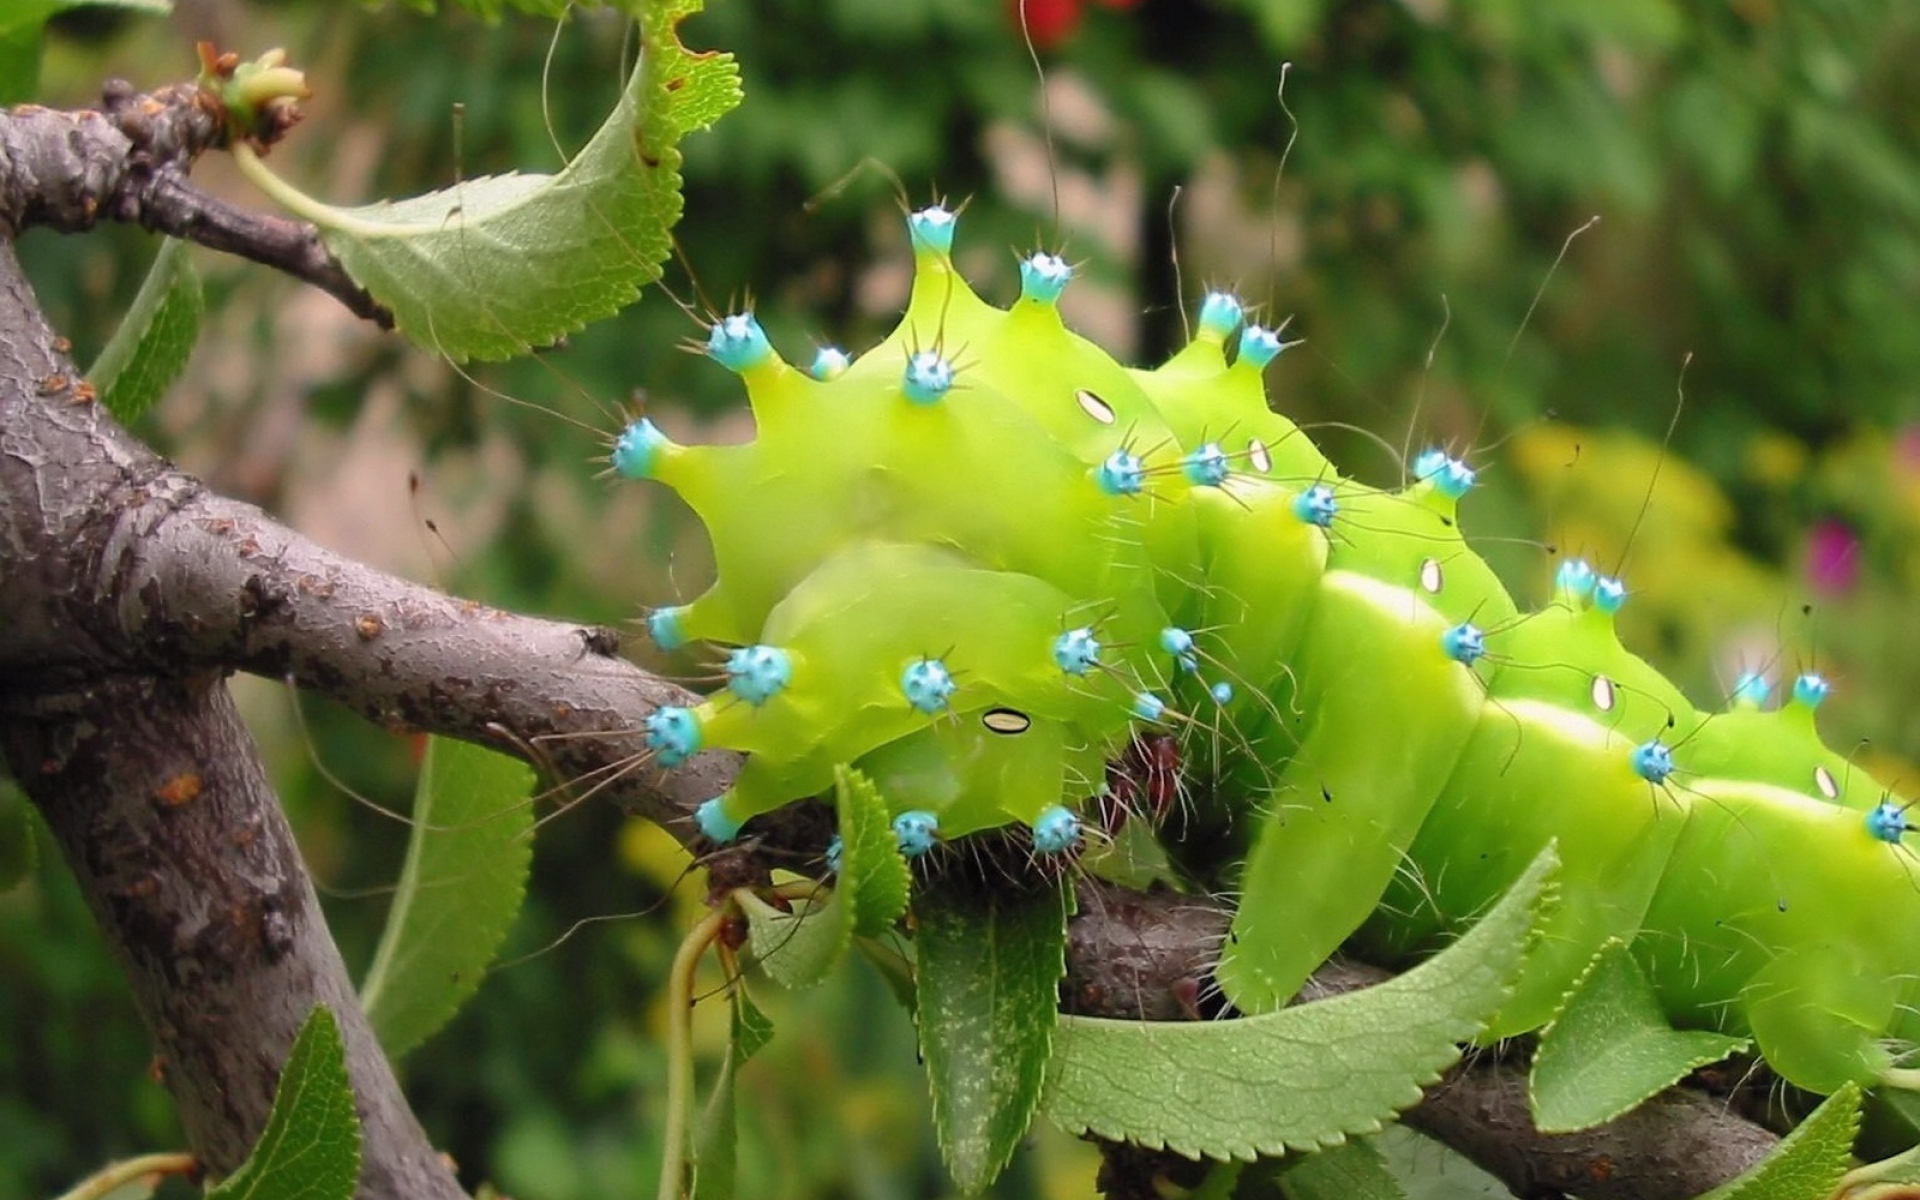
point(1573, 746)
point(1787, 837)
point(992, 568)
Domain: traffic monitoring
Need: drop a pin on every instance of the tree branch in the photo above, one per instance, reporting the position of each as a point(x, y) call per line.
point(152, 785)
point(128, 161)
point(160, 804)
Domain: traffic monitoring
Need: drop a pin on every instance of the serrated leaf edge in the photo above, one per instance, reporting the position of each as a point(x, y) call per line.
point(1544, 867)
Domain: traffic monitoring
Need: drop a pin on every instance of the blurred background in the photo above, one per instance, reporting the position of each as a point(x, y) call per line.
point(1755, 168)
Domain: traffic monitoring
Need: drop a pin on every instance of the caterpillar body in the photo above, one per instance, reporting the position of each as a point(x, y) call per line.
point(982, 559)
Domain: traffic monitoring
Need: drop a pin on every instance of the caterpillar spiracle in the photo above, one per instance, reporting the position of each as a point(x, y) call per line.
point(964, 561)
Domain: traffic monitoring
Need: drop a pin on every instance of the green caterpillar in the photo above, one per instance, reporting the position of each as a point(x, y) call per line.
point(981, 559)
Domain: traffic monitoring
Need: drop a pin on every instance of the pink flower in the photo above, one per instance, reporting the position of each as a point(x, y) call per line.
point(1833, 557)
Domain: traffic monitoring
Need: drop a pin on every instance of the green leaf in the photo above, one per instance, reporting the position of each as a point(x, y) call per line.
point(494, 266)
point(19, 851)
point(1222, 1181)
point(796, 949)
point(1298, 1078)
point(1809, 1161)
point(310, 1149)
point(990, 962)
point(873, 874)
point(1353, 1171)
point(23, 23)
point(716, 1162)
point(1610, 1047)
point(151, 347)
point(894, 968)
point(461, 887)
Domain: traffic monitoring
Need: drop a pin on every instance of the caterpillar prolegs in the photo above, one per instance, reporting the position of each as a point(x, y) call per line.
point(981, 559)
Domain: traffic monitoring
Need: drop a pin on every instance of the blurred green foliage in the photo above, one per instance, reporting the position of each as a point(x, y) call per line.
point(1756, 168)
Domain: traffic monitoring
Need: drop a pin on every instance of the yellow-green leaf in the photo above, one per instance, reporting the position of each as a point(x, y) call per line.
point(461, 887)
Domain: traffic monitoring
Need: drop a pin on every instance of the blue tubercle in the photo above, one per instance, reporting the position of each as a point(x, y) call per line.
point(1316, 506)
point(1464, 643)
point(664, 627)
point(1260, 346)
point(1056, 831)
point(1449, 476)
point(1044, 276)
point(1609, 594)
point(1179, 643)
point(738, 343)
point(932, 228)
point(1207, 466)
point(1220, 314)
point(1653, 761)
point(1076, 651)
point(1148, 707)
point(928, 377)
point(1576, 578)
point(673, 734)
point(757, 674)
point(836, 851)
point(1887, 822)
point(829, 362)
point(1810, 689)
point(637, 450)
point(1122, 474)
point(1222, 693)
point(1751, 689)
point(714, 822)
point(916, 831)
point(928, 685)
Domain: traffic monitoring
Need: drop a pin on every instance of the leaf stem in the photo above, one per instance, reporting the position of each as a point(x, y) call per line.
point(301, 205)
point(118, 1175)
point(673, 1162)
point(1880, 1178)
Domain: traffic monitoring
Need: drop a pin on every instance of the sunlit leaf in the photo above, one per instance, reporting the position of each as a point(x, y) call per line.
point(494, 266)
